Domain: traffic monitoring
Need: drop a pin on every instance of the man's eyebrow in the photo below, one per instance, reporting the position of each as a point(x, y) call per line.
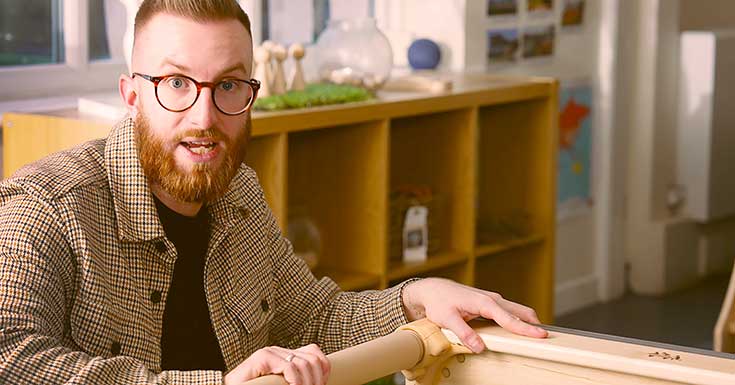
point(180, 67)
point(232, 68)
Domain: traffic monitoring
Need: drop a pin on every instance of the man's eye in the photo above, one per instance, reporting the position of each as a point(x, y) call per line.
point(177, 82)
point(228, 85)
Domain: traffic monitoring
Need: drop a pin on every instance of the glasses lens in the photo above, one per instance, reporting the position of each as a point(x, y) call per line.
point(233, 96)
point(177, 92)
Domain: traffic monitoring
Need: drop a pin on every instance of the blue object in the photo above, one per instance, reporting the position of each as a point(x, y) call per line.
point(424, 54)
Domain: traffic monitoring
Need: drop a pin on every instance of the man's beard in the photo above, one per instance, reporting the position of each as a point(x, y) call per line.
point(204, 183)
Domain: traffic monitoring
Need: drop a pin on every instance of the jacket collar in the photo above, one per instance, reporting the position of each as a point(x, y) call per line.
point(135, 209)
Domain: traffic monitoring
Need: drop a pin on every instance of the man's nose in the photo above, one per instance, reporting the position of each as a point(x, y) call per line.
point(203, 113)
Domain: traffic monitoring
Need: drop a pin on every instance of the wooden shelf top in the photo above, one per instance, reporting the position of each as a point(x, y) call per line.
point(404, 270)
point(501, 246)
point(468, 90)
point(349, 280)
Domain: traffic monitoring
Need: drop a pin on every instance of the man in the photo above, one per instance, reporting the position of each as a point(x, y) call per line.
point(151, 256)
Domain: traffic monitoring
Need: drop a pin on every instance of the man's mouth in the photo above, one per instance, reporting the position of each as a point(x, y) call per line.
point(200, 148)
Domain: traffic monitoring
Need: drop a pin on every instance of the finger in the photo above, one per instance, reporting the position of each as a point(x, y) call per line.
point(324, 363)
point(525, 313)
point(491, 310)
point(292, 373)
point(469, 337)
point(309, 367)
point(306, 364)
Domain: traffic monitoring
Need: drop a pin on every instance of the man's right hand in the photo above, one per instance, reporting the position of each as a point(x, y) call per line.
point(306, 365)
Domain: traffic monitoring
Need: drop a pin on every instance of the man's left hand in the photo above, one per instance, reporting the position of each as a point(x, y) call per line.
point(450, 305)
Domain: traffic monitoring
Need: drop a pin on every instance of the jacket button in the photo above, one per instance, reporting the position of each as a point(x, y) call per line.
point(156, 296)
point(160, 246)
point(115, 348)
point(264, 305)
point(244, 212)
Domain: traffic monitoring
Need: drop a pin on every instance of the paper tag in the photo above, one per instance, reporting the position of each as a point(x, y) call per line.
point(415, 234)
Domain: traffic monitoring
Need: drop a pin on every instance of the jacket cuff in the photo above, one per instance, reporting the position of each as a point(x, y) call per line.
point(390, 305)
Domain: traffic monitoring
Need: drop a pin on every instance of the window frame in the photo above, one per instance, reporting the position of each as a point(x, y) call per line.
point(75, 76)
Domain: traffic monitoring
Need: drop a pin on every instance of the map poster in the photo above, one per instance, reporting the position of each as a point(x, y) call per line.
point(574, 187)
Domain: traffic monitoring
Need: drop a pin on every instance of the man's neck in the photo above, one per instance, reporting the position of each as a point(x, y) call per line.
point(189, 209)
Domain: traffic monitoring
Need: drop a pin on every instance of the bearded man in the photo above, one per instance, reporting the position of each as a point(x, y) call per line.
point(151, 256)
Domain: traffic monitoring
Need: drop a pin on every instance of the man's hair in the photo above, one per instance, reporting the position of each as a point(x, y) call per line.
point(197, 10)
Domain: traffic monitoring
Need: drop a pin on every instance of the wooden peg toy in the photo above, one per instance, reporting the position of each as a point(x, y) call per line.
point(262, 57)
point(297, 82)
point(279, 76)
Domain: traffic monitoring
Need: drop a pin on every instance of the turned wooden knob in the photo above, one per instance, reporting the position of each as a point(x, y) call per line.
point(261, 54)
point(279, 52)
point(296, 51)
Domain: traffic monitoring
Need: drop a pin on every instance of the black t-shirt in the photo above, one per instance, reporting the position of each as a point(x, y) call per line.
point(188, 341)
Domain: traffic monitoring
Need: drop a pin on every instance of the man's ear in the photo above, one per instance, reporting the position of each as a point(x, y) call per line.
point(129, 94)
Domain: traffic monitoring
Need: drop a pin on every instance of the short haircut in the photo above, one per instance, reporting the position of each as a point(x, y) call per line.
point(197, 10)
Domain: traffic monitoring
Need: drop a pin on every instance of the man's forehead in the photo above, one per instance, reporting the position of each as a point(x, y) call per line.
point(173, 41)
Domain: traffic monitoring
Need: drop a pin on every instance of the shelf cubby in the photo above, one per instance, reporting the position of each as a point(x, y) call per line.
point(515, 173)
point(337, 179)
point(436, 151)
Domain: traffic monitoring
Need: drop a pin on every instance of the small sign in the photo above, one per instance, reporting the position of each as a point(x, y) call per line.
point(416, 234)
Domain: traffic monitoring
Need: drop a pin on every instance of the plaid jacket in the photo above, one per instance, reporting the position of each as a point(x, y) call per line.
point(85, 268)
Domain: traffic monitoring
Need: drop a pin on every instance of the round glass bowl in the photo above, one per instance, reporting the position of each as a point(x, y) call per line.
point(354, 52)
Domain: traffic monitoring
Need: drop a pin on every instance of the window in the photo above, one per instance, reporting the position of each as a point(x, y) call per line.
point(24, 43)
point(51, 48)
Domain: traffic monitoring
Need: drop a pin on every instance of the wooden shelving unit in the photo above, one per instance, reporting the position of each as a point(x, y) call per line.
point(487, 150)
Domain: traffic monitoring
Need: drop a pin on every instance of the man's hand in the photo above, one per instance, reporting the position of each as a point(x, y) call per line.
point(304, 366)
point(450, 305)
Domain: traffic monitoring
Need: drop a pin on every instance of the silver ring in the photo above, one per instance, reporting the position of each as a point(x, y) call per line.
point(290, 357)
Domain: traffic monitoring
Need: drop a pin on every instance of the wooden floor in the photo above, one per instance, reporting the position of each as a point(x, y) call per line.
point(684, 318)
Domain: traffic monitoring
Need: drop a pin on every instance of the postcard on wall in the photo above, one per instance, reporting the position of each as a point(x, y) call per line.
point(538, 41)
point(573, 13)
point(502, 8)
point(540, 7)
point(502, 45)
point(574, 191)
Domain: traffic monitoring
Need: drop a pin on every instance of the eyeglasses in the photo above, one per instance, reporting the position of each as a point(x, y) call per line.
point(177, 93)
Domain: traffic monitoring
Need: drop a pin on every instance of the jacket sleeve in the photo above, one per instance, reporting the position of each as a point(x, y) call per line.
point(318, 311)
point(37, 276)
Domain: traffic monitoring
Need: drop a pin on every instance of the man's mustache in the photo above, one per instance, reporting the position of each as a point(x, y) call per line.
point(208, 133)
